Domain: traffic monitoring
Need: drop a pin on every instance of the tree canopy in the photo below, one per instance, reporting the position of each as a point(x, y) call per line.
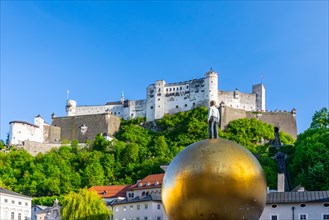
point(84, 205)
point(139, 148)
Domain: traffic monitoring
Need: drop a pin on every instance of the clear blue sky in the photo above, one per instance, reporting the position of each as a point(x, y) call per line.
point(99, 49)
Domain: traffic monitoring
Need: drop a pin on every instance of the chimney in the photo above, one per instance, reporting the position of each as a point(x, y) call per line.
point(280, 182)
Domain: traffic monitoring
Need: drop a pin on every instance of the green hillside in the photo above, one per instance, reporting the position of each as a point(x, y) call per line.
point(140, 148)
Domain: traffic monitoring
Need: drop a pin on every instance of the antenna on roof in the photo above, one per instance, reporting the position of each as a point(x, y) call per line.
point(122, 97)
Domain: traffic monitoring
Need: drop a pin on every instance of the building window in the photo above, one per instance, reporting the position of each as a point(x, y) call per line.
point(274, 206)
point(303, 205)
point(137, 218)
point(19, 203)
point(151, 107)
point(19, 216)
point(158, 218)
point(12, 215)
point(26, 204)
point(146, 206)
point(326, 204)
point(6, 200)
point(131, 207)
point(124, 208)
point(185, 105)
point(12, 202)
point(158, 206)
point(138, 207)
point(302, 216)
point(176, 106)
point(325, 216)
point(145, 218)
point(274, 217)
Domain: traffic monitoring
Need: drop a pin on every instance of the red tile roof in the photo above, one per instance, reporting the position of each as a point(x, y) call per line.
point(111, 191)
point(151, 181)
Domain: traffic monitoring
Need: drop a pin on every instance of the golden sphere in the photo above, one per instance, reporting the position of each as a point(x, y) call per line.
point(214, 179)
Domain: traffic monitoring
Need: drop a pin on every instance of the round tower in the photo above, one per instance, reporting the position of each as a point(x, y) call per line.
point(211, 86)
point(70, 107)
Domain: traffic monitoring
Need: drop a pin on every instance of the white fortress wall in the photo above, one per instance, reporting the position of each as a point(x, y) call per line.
point(239, 100)
point(135, 109)
point(183, 96)
point(22, 131)
point(89, 110)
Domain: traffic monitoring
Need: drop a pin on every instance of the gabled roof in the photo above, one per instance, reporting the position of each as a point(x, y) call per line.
point(137, 199)
point(42, 207)
point(111, 191)
point(297, 197)
point(151, 181)
point(6, 191)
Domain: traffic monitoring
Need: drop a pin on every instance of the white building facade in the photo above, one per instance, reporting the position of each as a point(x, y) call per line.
point(311, 205)
point(142, 201)
point(14, 205)
point(170, 98)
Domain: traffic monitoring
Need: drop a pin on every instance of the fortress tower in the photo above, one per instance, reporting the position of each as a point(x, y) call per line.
point(211, 87)
point(259, 90)
point(70, 107)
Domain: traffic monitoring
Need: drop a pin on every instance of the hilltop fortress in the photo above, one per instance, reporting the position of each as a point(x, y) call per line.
point(85, 122)
point(170, 98)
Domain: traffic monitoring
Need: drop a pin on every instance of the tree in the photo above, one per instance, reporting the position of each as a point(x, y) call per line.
point(320, 119)
point(84, 205)
point(309, 163)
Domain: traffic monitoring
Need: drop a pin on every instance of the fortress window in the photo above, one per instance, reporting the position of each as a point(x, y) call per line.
point(158, 99)
point(170, 89)
point(181, 88)
point(151, 107)
point(176, 106)
point(174, 89)
point(187, 87)
point(167, 90)
point(159, 90)
point(211, 81)
point(193, 104)
point(159, 106)
point(185, 105)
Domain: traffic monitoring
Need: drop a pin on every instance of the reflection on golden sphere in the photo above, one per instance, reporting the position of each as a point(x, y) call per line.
point(214, 179)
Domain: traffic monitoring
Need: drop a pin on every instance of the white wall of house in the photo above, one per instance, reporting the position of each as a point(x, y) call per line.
point(15, 207)
point(296, 211)
point(146, 210)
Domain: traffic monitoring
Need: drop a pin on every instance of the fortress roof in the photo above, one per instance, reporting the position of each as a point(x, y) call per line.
point(23, 122)
point(113, 103)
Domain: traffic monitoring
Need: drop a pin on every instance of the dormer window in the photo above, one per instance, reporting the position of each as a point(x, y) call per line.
point(147, 184)
point(140, 184)
point(156, 183)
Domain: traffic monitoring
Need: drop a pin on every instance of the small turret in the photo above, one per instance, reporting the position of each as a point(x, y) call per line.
point(70, 107)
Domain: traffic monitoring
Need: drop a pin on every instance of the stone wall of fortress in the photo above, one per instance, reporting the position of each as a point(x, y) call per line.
point(86, 127)
point(285, 121)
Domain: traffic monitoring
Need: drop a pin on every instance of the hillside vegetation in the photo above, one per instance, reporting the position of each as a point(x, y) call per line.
point(140, 148)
